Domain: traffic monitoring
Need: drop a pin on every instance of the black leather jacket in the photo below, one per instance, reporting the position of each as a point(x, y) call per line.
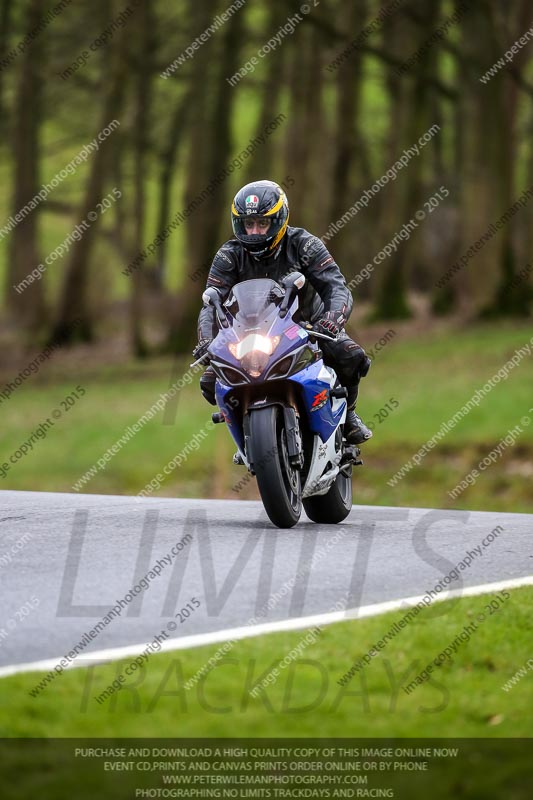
point(325, 289)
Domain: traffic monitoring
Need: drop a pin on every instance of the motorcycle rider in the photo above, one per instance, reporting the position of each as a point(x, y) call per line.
point(265, 246)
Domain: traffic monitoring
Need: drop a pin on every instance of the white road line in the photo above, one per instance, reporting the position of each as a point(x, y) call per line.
point(216, 637)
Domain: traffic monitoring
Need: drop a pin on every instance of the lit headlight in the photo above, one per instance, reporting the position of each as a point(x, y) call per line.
point(254, 342)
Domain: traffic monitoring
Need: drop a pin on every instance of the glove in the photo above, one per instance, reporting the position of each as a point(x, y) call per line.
point(200, 351)
point(332, 322)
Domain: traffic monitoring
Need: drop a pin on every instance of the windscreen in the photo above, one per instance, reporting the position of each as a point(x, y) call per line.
point(253, 303)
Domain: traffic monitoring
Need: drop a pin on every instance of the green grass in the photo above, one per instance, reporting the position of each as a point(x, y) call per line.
point(431, 377)
point(463, 697)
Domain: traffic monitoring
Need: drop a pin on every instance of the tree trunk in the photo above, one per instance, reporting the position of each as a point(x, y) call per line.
point(528, 285)
point(510, 297)
point(410, 118)
point(297, 141)
point(27, 304)
point(177, 129)
point(260, 166)
point(144, 68)
point(445, 299)
point(220, 149)
point(210, 153)
point(5, 26)
point(74, 321)
point(345, 141)
point(485, 179)
point(317, 133)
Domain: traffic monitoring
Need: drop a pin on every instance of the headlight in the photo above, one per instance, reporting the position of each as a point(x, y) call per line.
point(254, 342)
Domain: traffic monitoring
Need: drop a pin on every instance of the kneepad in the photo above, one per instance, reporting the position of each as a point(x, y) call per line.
point(207, 387)
point(367, 363)
point(358, 357)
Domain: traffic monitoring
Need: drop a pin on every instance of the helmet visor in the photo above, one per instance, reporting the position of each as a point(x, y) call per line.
point(256, 231)
point(253, 224)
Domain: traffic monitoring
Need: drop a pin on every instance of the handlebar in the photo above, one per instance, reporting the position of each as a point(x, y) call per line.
point(197, 362)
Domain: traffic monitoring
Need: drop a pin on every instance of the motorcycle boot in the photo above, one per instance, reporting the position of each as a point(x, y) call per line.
point(355, 430)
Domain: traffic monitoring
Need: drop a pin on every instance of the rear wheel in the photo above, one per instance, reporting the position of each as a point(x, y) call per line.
point(336, 504)
point(279, 483)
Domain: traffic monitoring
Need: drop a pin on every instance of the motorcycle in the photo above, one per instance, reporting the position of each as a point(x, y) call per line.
point(284, 408)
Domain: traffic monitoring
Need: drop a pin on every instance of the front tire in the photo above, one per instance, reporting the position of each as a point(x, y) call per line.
point(279, 483)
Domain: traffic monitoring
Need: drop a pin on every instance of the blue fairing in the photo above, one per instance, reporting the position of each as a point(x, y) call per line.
point(222, 396)
point(257, 311)
point(322, 420)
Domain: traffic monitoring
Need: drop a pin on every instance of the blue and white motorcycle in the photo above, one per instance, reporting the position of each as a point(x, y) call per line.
point(284, 408)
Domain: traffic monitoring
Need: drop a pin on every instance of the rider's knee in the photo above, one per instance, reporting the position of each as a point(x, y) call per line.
point(207, 386)
point(354, 359)
point(365, 367)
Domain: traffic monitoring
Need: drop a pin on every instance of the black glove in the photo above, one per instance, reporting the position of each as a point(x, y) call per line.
point(332, 322)
point(201, 350)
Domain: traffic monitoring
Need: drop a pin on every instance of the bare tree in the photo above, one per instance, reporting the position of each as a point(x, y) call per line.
point(27, 305)
point(74, 320)
point(261, 165)
point(175, 138)
point(210, 152)
point(485, 180)
point(346, 138)
point(409, 116)
point(144, 37)
point(5, 27)
point(510, 297)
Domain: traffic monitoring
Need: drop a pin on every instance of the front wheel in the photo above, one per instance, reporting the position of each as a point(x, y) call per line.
point(279, 483)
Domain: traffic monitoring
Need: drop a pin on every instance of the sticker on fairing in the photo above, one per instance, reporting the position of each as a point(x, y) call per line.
point(293, 332)
point(319, 400)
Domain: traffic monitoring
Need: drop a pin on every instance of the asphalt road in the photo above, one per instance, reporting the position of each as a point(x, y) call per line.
point(66, 559)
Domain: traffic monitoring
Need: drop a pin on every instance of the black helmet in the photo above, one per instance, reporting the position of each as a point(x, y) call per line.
point(260, 199)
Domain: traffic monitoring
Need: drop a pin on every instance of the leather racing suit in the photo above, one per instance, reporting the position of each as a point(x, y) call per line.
point(325, 290)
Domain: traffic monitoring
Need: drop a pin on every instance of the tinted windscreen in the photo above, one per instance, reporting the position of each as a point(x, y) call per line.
point(250, 300)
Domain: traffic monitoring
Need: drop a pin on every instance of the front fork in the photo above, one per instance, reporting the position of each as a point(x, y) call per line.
point(294, 439)
point(293, 436)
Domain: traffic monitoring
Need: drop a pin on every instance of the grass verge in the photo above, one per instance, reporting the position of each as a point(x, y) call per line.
point(462, 698)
